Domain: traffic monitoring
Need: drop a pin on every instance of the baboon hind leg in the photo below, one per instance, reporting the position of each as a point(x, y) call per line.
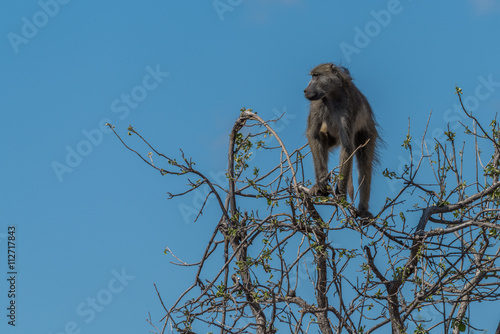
point(364, 159)
point(344, 184)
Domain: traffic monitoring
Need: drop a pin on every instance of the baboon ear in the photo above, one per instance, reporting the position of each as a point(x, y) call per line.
point(333, 68)
point(345, 70)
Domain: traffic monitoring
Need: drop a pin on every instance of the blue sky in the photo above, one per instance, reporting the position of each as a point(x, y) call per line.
point(93, 227)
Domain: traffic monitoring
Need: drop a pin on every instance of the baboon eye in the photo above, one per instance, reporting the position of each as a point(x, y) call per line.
point(314, 75)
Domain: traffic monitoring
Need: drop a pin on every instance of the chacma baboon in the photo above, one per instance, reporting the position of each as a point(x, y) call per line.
point(340, 115)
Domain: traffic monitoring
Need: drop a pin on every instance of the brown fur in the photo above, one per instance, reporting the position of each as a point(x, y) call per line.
point(340, 115)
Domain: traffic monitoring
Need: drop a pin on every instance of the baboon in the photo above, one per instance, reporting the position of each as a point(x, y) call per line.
point(340, 115)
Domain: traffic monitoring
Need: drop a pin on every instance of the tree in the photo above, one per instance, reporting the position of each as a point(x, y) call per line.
point(430, 252)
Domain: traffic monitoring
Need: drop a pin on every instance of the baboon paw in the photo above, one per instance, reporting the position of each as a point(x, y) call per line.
point(317, 190)
point(363, 213)
point(338, 192)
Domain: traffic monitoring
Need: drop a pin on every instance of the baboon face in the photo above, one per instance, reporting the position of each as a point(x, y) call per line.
point(325, 78)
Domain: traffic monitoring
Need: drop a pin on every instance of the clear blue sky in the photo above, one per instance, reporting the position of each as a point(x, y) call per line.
point(95, 227)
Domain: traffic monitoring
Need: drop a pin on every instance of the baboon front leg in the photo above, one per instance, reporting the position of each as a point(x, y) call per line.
point(319, 152)
point(344, 182)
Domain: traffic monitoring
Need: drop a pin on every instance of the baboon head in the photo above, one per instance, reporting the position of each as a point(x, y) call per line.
point(326, 78)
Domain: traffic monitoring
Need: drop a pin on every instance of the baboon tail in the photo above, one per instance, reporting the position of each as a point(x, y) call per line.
point(350, 188)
